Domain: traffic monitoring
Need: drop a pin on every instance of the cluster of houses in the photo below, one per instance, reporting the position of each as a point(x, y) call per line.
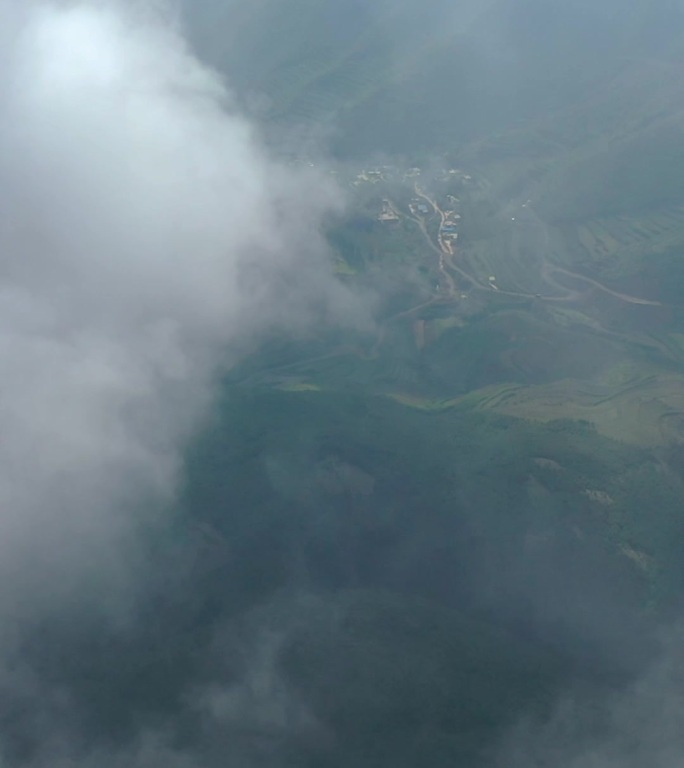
point(388, 214)
point(450, 225)
point(418, 207)
point(448, 231)
point(385, 173)
point(455, 173)
point(373, 175)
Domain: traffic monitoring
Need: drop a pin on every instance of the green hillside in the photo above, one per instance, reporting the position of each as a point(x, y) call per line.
point(458, 517)
point(467, 567)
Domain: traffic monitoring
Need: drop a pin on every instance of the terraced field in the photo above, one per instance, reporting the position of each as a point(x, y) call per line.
point(494, 258)
point(647, 411)
point(618, 245)
point(312, 90)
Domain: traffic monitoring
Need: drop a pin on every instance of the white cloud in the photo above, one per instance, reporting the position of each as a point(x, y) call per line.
point(145, 235)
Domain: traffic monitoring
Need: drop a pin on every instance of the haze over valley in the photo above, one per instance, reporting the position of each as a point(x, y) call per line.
point(342, 407)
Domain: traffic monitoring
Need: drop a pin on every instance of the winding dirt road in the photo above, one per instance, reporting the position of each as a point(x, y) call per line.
point(446, 254)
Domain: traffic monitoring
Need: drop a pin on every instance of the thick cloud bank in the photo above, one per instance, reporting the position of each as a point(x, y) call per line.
point(144, 237)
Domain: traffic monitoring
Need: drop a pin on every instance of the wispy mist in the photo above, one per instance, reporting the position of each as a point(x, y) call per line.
point(640, 725)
